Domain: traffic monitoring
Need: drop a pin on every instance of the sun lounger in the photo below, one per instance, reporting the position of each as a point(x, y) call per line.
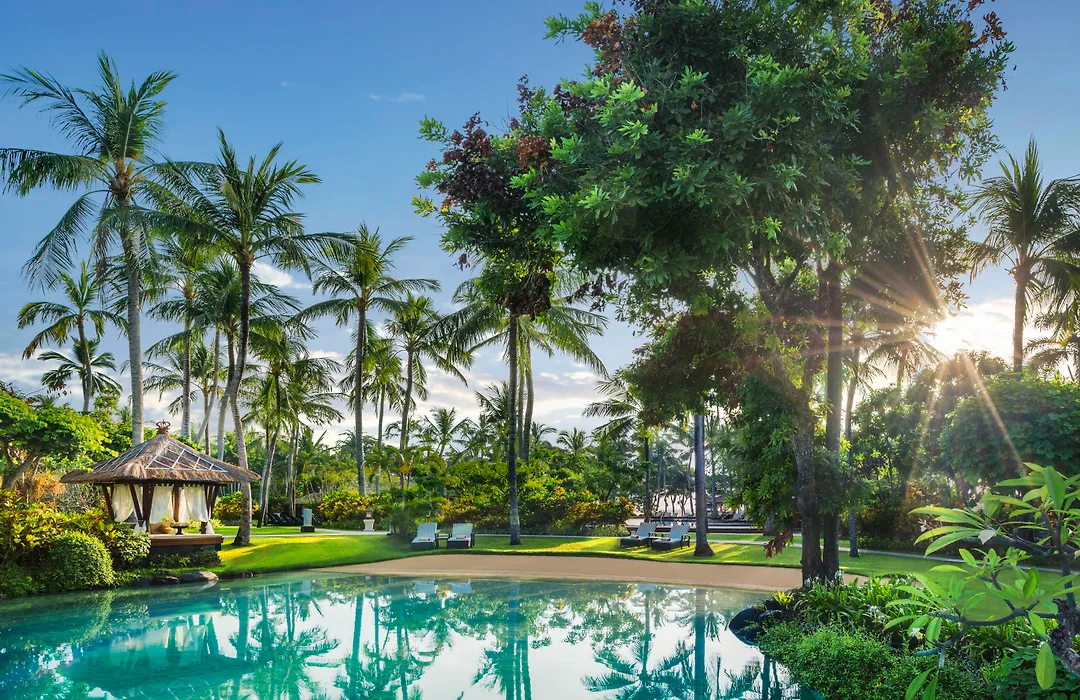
point(461, 537)
point(426, 537)
point(641, 537)
point(678, 537)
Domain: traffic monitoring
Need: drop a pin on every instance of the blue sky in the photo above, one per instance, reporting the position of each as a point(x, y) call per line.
point(344, 85)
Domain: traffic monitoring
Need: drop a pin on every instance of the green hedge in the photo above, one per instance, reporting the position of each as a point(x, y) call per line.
point(843, 665)
point(76, 561)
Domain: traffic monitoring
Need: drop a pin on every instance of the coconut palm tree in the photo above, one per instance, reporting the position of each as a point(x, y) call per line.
point(1033, 227)
point(169, 376)
point(482, 322)
point(358, 279)
point(420, 335)
point(440, 429)
point(245, 212)
point(70, 320)
point(85, 363)
point(111, 130)
point(623, 411)
point(904, 349)
point(183, 264)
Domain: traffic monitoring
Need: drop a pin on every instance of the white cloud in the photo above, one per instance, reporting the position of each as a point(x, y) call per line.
point(400, 97)
point(287, 83)
point(551, 376)
point(271, 275)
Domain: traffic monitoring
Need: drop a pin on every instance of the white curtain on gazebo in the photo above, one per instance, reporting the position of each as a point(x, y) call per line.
point(122, 504)
point(193, 504)
point(162, 504)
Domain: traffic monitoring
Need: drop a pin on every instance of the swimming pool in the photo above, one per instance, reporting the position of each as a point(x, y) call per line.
point(308, 635)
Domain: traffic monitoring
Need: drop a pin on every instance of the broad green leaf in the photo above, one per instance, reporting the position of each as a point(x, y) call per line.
point(1045, 667)
point(1037, 623)
point(1056, 485)
point(916, 684)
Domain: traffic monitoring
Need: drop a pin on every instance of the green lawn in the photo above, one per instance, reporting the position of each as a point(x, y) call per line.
point(268, 554)
point(230, 530)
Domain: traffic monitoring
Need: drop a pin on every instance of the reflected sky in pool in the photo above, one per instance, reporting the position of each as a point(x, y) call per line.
point(295, 636)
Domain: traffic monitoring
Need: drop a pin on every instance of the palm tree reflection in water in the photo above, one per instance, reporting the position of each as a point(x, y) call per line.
point(356, 637)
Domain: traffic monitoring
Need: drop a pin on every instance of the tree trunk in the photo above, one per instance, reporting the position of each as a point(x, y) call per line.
point(834, 391)
point(204, 431)
point(404, 442)
point(378, 438)
point(358, 402)
point(646, 502)
point(1019, 318)
point(267, 475)
point(853, 542)
point(243, 532)
point(223, 409)
point(213, 388)
point(806, 494)
point(290, 466)
point(134, 332)
point(701, 510)
point(511, 434)
point(185, 399)
point(526, 429)
point(88, 368)
point(521, 406)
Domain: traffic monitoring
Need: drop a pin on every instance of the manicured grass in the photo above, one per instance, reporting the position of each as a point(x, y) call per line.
point(230, 530)
point(268, 554)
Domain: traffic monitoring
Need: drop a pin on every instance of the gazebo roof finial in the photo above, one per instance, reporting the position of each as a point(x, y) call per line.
point(163, 427)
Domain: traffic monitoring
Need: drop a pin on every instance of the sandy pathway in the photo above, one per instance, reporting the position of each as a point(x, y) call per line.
point(760, 578)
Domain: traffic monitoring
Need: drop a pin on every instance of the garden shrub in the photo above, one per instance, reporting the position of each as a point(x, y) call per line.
point(1013, 678)
point(15, 581)
point(344, 506)
point(845, 665)
point(227, 508)
point(26, 529)
point(75, 561)
point(127, 547)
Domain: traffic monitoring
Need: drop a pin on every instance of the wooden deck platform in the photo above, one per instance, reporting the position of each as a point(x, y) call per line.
point(184, 544)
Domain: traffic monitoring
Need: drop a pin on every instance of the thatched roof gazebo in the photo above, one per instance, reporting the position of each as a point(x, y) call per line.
point(163, 479)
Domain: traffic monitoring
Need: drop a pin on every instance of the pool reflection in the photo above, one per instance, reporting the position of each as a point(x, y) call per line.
point(294, 636)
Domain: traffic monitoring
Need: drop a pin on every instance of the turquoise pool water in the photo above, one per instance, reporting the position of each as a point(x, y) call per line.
point(310, 636)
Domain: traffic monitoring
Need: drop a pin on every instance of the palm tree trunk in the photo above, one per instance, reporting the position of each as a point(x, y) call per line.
point(511, 434)
point(806, 492)
point(853, 542)
point(204, 432)
point(404, 441)
point(526, 429)
point(185, 400)
point(646, 500)
point(134, 332)
point(521, 407)
point(243, 532)
point(701, 527)
point(834, 390)
point(378, 438)
point(358, 402)
point(267, 475)
point(1019, 318)
point(290, 487)
point(223, 410)
point(213, 388)
point(88, 368)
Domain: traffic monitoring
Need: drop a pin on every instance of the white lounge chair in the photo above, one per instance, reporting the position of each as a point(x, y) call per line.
point(678, 537)
point(641, 537)
point(461, 537)
point(426, 537)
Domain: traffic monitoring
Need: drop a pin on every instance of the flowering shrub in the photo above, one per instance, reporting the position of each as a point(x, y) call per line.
point(344, 505)
point(227, 508)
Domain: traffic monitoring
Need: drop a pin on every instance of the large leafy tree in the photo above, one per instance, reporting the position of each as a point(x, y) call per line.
point(1034, 227)
point(491, 226)
point(33, 435)
point(71, 320)
point(112, 129)
point(245, 212)
point(359, 280)
point(782, 140)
